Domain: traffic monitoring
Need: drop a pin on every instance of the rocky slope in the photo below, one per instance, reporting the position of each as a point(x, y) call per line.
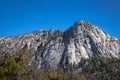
point(48, 49)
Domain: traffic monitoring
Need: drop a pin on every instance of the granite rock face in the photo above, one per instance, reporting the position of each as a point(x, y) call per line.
point(48, 49)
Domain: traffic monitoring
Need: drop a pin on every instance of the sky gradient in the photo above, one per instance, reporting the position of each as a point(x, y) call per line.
point(23, 16)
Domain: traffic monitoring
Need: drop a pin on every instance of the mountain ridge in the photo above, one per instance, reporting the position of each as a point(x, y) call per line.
point(48, 49)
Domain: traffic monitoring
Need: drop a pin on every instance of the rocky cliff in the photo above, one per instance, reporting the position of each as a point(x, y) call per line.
point(48, 49)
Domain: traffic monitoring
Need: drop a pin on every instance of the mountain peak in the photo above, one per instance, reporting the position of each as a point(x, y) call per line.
point(81, 22)
point(50, 48)
point(83, 25)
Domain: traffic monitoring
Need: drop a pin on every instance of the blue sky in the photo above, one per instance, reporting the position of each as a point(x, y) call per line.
point(23, 16)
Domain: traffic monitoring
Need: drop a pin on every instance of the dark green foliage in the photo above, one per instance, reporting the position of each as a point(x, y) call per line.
point(101, 68)
point(13, 67)
point(96, 68)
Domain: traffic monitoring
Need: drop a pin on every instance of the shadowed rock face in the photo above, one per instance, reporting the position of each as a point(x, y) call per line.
point(48, 49)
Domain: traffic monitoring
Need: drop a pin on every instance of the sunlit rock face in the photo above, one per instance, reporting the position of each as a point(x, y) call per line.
point(49, 49)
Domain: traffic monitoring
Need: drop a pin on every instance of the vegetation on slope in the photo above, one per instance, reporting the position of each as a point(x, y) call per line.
point(14, 67)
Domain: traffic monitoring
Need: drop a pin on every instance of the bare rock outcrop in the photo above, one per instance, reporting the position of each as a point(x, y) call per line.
point(48, 49)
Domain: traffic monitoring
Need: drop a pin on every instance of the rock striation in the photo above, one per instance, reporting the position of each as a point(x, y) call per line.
point(49, 49)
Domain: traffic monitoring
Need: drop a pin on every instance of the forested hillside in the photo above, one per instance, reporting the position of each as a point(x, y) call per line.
point(15, 67)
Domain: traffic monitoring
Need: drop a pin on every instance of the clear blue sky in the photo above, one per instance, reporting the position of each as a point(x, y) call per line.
point(23, 16)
